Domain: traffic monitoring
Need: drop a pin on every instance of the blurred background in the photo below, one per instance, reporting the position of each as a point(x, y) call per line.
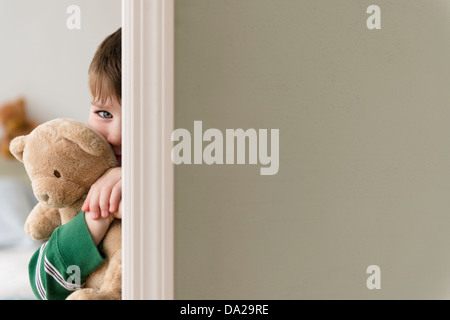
point(43, 75)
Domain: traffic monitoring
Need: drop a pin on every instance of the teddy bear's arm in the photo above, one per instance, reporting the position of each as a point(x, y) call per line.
point(41, 222)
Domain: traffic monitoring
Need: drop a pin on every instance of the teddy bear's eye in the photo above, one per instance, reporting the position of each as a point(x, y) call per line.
point(57, 174)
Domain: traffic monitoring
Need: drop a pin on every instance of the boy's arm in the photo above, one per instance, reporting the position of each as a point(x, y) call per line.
point(98, 227)
point(64, 262)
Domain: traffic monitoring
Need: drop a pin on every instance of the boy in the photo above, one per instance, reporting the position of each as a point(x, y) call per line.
point(75, 246)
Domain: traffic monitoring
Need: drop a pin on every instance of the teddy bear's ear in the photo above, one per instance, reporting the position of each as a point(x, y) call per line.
point(17, 146)
point(86, 138)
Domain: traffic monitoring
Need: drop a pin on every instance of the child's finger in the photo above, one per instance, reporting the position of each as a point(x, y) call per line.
point(85, 206)
point(118, 213)
point(104, 202)
point(94, 208)
point(116, 196)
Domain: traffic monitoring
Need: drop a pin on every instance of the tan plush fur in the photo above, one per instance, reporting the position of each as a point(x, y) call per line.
point(63, 158)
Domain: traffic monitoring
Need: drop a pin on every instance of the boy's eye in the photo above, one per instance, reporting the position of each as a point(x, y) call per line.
point(105, 114)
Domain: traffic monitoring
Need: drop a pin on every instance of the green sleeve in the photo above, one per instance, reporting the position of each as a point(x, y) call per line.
point(63, 263)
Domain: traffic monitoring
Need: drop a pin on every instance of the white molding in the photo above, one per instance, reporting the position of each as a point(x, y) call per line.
point(147, 104)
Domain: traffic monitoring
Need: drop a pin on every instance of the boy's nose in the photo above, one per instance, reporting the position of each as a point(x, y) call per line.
point(115, 138)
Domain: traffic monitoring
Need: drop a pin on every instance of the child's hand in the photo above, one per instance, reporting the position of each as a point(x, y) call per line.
point(105, 195)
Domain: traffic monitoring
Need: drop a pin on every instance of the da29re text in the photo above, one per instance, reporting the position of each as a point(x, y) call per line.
point(241, 309)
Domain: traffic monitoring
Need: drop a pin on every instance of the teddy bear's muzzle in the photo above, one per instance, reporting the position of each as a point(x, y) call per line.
point(57, 192)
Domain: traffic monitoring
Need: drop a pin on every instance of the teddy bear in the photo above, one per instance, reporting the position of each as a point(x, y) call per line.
point(14, 122)
point(63, 158)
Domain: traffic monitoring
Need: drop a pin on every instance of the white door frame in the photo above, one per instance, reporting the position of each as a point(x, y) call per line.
point(148, 187)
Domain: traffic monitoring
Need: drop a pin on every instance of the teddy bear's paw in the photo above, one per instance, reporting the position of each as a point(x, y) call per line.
point(89, 294)
point(36, 234)
point(83, 294)
point(41, 222)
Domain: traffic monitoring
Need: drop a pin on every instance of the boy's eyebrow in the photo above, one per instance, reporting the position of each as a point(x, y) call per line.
point(99, 105)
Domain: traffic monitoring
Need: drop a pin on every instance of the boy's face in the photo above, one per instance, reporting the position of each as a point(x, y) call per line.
point(106, 118)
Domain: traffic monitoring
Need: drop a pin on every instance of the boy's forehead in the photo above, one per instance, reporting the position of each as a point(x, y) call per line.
point(109, 103)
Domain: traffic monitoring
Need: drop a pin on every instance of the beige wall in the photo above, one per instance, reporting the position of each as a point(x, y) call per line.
point(364, 119)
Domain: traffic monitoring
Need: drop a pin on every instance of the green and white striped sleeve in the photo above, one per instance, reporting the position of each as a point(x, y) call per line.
point(63, 263)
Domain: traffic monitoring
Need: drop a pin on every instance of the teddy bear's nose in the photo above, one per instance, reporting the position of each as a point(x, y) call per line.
point(43, 197)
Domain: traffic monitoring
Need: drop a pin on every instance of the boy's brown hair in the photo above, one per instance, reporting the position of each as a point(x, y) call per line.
point(105, 71)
